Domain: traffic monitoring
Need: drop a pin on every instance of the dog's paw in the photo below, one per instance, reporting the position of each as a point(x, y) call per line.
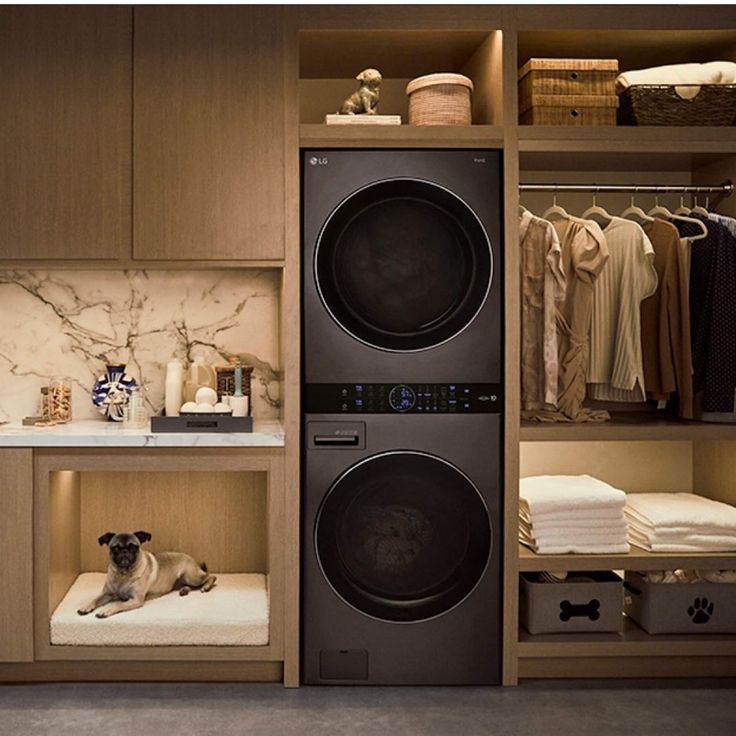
point(84, 611)
point(103, 614)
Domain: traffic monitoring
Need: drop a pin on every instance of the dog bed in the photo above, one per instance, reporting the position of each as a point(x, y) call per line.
point(233, 613)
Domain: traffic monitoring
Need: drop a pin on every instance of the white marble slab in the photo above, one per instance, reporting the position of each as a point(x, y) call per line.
point(71, 323)
point(99, 433)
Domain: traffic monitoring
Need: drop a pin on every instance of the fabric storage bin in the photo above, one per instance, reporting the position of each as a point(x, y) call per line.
point(440, 99)
point(587, 601)
point(680, 608)
point(682, 104)
point(569, 110)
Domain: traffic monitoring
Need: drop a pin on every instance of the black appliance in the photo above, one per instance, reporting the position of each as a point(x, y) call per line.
point(402, 471)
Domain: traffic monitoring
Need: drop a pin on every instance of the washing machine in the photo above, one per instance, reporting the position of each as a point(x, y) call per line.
point(402, 415)
point(402, 267)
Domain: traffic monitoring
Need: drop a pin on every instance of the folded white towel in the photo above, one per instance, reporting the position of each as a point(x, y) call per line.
point(671, 531)
point(580, 549)
point(703, 542)
point(692, 537)
point(665, 510)
point(544, 494)
point(680, 547)
point(569, 538)
point(714, 72)
point(600, 515)
point(617, 522)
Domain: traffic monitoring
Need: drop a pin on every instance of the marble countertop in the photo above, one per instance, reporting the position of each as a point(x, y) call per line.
point(93, 433)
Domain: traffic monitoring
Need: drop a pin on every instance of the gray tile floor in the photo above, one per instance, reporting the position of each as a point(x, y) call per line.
point(629, 708)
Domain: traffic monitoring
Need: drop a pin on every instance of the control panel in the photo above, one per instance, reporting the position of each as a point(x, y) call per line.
point(403, 398)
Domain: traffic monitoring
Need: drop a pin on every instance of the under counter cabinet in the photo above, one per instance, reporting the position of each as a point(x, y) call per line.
point(208, 133)
point(65, 129)
point(16, 555)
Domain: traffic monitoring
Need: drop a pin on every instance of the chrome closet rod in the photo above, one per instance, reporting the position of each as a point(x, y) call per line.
point(726, 188)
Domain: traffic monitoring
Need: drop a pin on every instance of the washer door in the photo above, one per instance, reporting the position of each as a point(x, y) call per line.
point(403, 536)
point(403, 265)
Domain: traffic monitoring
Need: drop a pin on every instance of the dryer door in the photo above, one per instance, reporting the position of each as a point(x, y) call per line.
point(403, 265)
point(403, 536)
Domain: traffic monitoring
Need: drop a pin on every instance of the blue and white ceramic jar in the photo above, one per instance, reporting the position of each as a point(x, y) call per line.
point(111, 392)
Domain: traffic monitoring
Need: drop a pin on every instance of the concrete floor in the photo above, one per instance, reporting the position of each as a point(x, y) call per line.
point(628, 708)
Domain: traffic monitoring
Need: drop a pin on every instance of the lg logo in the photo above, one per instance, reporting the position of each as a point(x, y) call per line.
point(314, 161)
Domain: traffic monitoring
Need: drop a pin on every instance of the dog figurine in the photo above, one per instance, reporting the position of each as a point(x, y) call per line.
point(365, 100)
point(135, 574)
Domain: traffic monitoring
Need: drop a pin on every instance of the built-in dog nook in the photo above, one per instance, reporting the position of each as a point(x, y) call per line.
point(224, 518)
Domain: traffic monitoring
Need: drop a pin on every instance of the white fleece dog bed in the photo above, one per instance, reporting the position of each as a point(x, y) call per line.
point(233, 613)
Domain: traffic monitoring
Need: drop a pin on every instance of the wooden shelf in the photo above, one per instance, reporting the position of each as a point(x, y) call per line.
point(637, 559)
point(625, 427)
point(629, 148)
point(404, 136)
point(634, 641)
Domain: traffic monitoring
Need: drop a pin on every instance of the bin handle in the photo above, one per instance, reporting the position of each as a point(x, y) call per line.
point(628, 586)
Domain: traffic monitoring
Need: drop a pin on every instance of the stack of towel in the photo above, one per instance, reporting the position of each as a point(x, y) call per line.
point(680, 522)
point(714, 72)
point(559, 514)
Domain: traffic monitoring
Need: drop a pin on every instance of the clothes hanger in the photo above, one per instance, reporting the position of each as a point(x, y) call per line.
point(682, 210)
point(697, 210)
point(637, 214)
point(597, 213)
point(664, 214)
point(555, 212)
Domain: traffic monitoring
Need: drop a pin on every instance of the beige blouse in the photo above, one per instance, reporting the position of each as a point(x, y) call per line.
point(615, 368)
point(584, 254)
point(543, 285)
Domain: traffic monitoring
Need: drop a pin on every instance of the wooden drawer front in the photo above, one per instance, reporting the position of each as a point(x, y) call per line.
point(560, 115)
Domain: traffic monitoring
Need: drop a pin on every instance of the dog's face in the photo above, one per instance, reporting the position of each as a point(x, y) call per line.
point(124, 547)
point(370, 78)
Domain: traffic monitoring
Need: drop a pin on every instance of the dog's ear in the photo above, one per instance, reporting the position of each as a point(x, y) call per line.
point(143, 536)
point(361, 76)
point(105, 538)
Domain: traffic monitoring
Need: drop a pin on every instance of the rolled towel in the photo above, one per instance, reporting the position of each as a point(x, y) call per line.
point(544, 494)
point(666, 510)
point(713, 72)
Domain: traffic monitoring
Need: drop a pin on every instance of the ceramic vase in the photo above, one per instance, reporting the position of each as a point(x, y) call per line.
point(111, 392)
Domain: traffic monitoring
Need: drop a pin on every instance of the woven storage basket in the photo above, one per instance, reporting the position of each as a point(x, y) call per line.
point(440, 99)
point(667, 104)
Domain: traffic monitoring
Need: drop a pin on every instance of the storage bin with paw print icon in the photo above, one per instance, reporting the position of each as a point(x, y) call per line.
point(680, 607)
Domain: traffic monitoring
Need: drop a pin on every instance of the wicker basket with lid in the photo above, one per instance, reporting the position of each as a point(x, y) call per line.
point(440, 99)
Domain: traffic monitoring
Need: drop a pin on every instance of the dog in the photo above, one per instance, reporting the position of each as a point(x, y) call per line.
point(135, 574)
point(365, 100)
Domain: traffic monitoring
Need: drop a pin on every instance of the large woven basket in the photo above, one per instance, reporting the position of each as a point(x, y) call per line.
point(440, 99)
point(682, 104)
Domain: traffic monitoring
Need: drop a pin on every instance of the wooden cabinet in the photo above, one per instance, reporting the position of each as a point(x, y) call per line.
point(209, 133)
point(16, 555)
point(65, 132)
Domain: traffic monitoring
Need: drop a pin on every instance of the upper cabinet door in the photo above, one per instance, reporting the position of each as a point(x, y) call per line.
point(208, 133)
point(65, 132)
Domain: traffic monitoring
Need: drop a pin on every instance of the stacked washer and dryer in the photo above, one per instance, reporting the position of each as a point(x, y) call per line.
point(402, 424)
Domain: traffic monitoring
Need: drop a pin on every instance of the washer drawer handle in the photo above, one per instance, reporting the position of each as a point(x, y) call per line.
point(336, 440)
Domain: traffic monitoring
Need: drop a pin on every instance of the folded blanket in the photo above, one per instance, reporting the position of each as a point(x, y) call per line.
point(580, 549)
point(693, 537)
point(674, 532)
point(544, 494)
point(665, 510)
point(714, 72)
point(680, 547)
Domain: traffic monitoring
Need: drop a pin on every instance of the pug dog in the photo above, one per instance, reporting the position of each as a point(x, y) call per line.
point(365, 100)
point(135, 574)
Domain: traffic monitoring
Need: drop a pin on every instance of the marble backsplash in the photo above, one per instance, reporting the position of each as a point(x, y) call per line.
point(72, 323)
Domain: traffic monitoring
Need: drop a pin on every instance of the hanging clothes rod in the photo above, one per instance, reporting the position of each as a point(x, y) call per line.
point(725, 189)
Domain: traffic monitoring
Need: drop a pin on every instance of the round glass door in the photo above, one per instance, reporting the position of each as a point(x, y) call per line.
point(403, 536)
point(403, 265)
